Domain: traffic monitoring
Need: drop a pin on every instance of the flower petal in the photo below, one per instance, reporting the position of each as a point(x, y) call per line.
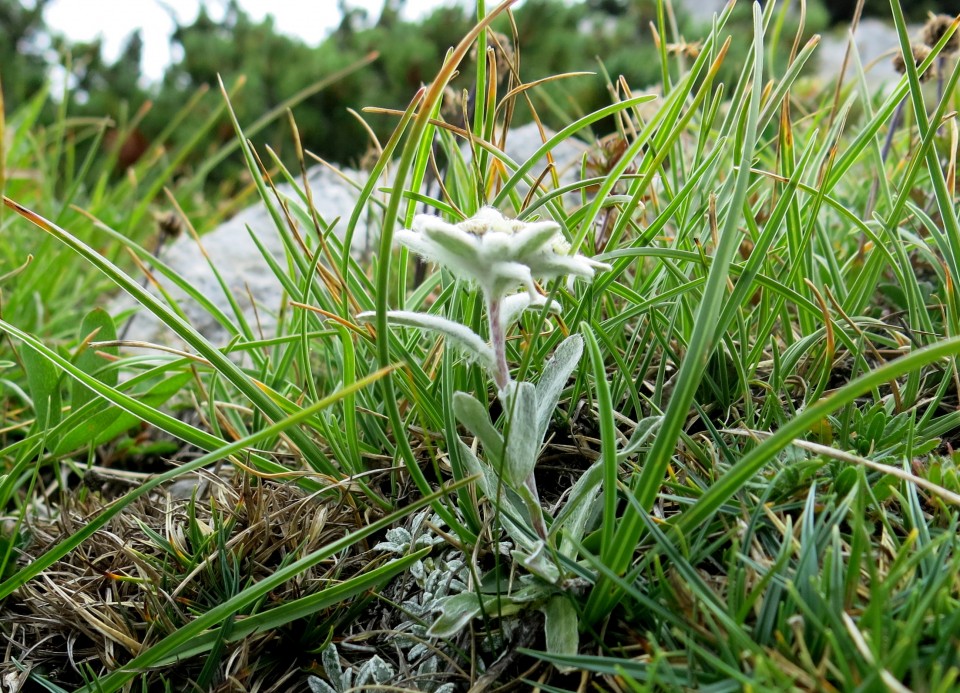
point(448, 236)
point(534, 236)
point(512, 306)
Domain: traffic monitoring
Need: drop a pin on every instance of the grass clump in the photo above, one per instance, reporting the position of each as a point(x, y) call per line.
point(744, 477)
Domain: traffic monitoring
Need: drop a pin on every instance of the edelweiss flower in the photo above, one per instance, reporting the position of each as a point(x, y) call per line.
point(496, 253)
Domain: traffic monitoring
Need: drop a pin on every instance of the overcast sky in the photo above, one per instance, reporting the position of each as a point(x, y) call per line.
point(83, 20)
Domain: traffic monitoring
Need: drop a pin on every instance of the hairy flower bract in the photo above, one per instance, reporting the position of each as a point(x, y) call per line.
point(496, 253)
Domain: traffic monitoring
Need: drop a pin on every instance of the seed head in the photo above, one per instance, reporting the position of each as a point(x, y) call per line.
point(934, 30)
point(920, 53)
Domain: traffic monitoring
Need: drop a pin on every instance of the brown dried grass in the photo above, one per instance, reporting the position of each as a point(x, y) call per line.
point(151, 568)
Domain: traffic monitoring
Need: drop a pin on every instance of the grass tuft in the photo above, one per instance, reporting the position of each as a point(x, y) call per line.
point(750, 479)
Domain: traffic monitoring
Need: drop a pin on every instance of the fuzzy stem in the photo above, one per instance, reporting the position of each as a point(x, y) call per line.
point(498, 340)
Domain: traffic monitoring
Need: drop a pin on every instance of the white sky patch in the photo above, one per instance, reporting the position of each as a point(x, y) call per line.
point(115, 20)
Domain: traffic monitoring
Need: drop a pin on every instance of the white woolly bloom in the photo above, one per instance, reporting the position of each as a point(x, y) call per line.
point(496, 253)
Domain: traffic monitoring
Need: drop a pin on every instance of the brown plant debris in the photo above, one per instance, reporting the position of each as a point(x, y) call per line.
point(161, 562)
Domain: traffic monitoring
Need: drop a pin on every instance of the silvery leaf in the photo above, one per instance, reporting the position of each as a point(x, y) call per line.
point(512, 306)
point(400, 535)
point(475, 416)
point(646, 427)
point(330, 659)
point(555, 374)
point(576, 511)
point(561, 627)
point(376, 671)
point(456, 612)
point(461, 335)
point(318, 685)
point(500, 495)
point(488, 480)
point(391, 547)
point(523, 443)
point(427, 667)
point(418, 651)
point(539, 562)
point(459, 609)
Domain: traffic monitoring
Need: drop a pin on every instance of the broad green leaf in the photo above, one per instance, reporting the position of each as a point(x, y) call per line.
point(97, 325)
point(99, 427)
point(43, 382)
point(229, 370)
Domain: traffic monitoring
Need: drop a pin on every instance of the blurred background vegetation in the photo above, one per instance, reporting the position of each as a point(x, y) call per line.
point(556, 37)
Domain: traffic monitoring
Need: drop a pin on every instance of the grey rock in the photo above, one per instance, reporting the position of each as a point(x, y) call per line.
point(231, 247)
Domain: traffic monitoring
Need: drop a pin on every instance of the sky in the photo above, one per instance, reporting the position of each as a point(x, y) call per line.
point(114, 20)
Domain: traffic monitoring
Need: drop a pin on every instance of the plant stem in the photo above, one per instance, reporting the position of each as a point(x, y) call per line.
point(498, 340)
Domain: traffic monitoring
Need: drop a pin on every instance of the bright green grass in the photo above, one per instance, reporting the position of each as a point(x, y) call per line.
point(791, 522)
